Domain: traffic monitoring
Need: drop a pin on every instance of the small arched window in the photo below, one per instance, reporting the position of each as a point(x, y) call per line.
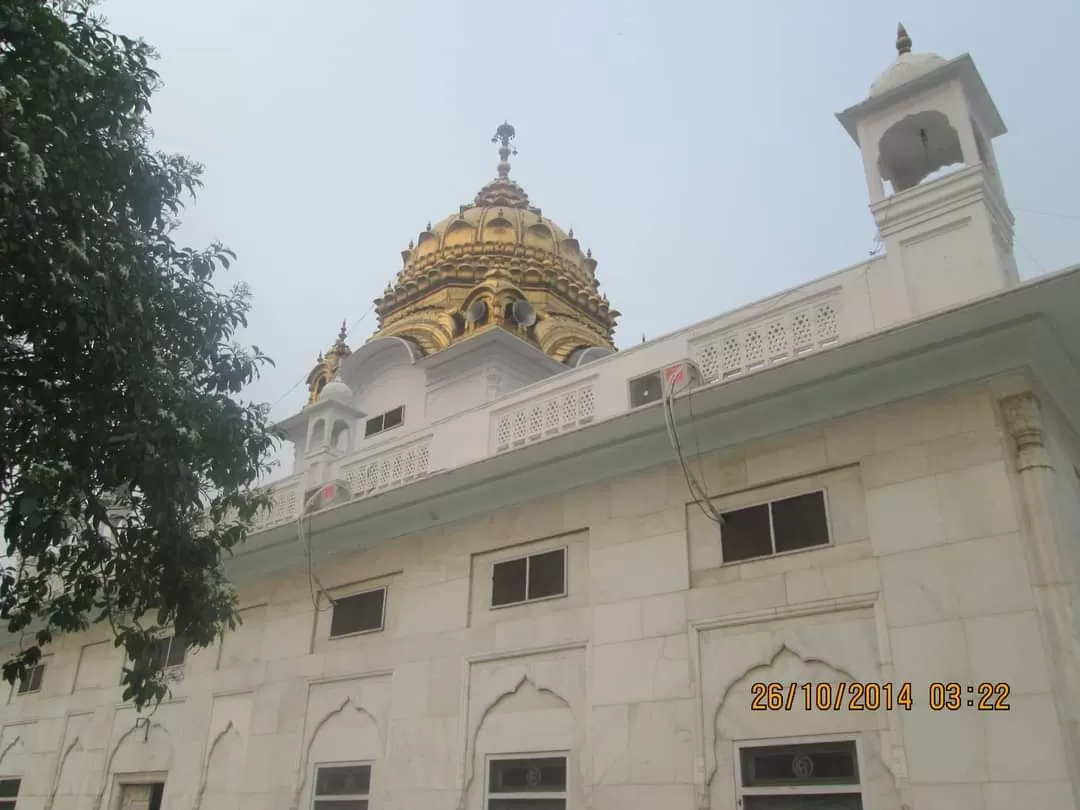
point(339, 436)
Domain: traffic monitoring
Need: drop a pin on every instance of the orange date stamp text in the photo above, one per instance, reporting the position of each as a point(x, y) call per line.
point(852, 696)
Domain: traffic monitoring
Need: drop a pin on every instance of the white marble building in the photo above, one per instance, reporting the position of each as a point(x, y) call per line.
point(515, 601)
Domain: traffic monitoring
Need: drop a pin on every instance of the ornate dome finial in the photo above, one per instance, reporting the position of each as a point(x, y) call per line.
point(326, 367)
point(903, 41)
point(503, 136)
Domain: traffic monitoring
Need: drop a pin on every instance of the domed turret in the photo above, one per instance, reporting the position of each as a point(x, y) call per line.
point(337, 391)
point(908, 65)
point(498, 263)
point(326, 369)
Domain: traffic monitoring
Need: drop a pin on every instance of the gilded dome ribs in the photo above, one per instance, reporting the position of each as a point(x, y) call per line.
point(498, 249)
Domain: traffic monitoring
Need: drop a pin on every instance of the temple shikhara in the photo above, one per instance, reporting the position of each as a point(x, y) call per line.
point(822, 551)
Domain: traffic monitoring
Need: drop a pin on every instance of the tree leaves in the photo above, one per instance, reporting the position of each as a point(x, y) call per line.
point(126, 456)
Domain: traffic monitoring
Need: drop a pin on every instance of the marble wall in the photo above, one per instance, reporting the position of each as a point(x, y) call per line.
point(643, 674)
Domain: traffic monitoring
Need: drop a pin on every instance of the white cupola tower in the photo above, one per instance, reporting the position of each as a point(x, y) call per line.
point(330, 425)
point(925, 133)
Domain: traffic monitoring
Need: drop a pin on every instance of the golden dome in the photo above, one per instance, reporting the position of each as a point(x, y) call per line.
point(468, 273)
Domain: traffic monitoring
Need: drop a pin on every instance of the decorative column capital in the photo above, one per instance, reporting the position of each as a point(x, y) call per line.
point(1024, 421)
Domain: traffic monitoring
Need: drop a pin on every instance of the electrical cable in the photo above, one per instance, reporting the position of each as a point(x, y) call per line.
point(1047, 213)
point(315, 587)
point(303, 379)
point(305, 543)
point(697, 489)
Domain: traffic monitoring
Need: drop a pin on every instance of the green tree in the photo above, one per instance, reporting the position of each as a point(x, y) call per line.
point(126, 455)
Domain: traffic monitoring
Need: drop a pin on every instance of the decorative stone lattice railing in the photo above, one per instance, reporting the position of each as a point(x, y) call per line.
point(388, 469)
point(769, 340)
point(284, 503)
point(533, 421)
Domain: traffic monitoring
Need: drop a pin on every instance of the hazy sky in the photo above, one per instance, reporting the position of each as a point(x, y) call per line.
point(691, 145)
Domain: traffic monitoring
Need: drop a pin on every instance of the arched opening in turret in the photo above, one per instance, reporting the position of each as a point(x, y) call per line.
point(340, 436)
point(917, 149)
point(318, 434)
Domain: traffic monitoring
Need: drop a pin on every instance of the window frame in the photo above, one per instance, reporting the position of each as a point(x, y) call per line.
point(489, 759)
point(768, 503)
point(167, 667)
point(11, 802)
point(857, 789)
point(527, 601)
point(382, 422)
point(350, 797)
point(39, 667)
point(382, 619)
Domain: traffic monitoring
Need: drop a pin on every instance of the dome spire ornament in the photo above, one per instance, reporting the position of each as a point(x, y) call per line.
point(342, 334)
point(503, 136)
point(903, 41)
point(328, 364)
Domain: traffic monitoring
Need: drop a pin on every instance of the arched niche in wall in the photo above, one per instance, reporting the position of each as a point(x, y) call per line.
point(383, 376)
point(375, 356)
point(918, 147)
point(13, 751)
point(224, 770)
point(348, 733)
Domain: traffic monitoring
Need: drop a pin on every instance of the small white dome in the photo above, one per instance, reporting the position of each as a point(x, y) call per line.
point(907, 66)
point(337, 391)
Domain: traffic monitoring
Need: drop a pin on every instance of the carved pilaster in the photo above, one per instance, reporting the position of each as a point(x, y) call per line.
point(1053, 570)
point(495, 382)
point(1023, 418)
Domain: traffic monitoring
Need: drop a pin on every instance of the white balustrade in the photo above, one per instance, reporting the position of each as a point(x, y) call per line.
point(388, 469)
point(548, 416)
point(284, 503)
point(769, 340)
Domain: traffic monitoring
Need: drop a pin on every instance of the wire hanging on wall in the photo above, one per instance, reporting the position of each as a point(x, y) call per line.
point(696, 487)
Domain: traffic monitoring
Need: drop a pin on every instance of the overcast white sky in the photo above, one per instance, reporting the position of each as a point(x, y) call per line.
point(691, 145)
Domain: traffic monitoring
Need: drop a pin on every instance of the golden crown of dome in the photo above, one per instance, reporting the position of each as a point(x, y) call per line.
point(465, 274)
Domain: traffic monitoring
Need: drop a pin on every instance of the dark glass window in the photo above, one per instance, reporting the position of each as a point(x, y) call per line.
point(342, 787)
point(524, 579)
point(527, 784)
point(168, 651)
point(833, 766)
point(157, 790)
point(834, 801)
point(547, 574)
point(392, 419)
point(360, 613)
point(800, 522)
point(745, 533)
point(31, 681)
point(807, 764)
point(508, 581)
point(384, 421)
point(787, 524)
point(9, 791)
